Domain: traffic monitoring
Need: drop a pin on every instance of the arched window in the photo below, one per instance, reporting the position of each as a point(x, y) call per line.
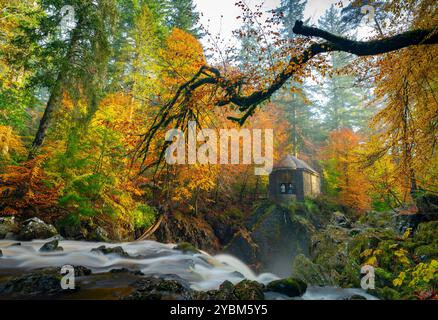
point(283, 188)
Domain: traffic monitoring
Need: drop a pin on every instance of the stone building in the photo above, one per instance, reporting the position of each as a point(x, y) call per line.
point(293, 179)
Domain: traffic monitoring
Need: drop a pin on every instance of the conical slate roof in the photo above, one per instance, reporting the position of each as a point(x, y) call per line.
point(292, 163)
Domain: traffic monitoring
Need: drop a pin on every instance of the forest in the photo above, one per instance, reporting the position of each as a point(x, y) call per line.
point(90, 89)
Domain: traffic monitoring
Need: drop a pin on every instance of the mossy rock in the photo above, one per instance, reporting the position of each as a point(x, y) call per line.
point(249, 290)
point(114, 250)
point(304, 269)
point(225, 292)
point(386, 293)
point(383, 277)
point(290, 287)
point(427, 232)
point(186, 247)
point(427, 252)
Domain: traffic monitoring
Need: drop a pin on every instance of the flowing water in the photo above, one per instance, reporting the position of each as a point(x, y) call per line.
point(202, 271)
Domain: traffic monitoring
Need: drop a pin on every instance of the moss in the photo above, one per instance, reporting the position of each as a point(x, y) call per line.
point(350, 277)
point(186, 248)
point(383, 277)
point(307, 271)
point(386, 293)
point(427, 232)
point(249, 290)
point(427, 252)
point(290, 287)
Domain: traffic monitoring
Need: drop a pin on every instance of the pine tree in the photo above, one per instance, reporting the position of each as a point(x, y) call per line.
point(293, 97)
point(182, 14)
point(344, 103)
point(291, 11)
point(75, 61)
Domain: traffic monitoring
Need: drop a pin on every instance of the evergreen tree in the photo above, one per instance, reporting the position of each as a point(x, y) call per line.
point(293, 97)
point(182, 14)
point(343, 103)
point(291, 11)
point(72, 60)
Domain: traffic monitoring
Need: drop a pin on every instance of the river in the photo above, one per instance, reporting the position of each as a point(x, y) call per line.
point(202, 271)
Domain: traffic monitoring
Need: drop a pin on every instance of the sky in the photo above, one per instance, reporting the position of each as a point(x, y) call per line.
point(220, 16)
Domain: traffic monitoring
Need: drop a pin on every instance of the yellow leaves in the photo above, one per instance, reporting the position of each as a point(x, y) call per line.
point(421, 274)
point(399, 280)
point(401, 254)
point(407, 233)
point(367, 253)
point(372, 261)
point(342, 153)
point(372, 256)
point(10, 142)
point(182, 57)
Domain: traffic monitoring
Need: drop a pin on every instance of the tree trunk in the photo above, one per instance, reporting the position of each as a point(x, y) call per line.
point(55, 96)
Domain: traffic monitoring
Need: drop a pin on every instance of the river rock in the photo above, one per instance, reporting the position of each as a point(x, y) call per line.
point(51, 246)
point(35, 228)
point(37, 284)
point(341, 220)
point(160, 289)
point(8, 228)
point(186, 247)
point(290, 287)
point(249, 290)
point(114, 250)
point(243, 247)
point(99, 234)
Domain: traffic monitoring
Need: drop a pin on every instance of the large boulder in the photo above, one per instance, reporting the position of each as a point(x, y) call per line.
point(427, 204)
point(307, 271)
point(37, 284)
point(178, 227)
point(280, 236)
point(35, 228)
point(51, 246)
point(160, 289)
point(243, 246)
point(276, 236)
point(9, 228)
point(249, 290)
point(290, 287)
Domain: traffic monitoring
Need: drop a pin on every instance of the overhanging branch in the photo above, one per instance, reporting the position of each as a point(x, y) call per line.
point(247, 103)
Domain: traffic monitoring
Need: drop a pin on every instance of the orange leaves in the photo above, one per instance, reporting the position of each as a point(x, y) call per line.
point(26, 187)
point(352, 185)
point(182, 57)
point(9, 142)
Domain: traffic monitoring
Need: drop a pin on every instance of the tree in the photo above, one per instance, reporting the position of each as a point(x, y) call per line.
point(343, 171)
point(182, 14)
point(229, 90)
point(405, 128)
point(69, 65)
point(293, 96)
point(344, 100)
